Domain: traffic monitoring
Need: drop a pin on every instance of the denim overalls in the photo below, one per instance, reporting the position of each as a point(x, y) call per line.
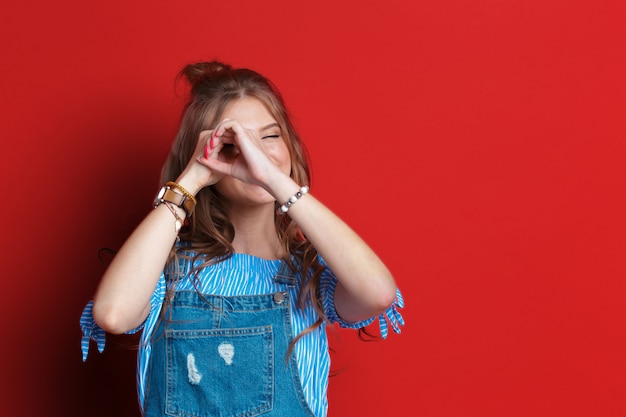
point(226, 356)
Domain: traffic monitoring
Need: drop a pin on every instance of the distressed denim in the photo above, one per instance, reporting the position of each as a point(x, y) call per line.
point(226, 356)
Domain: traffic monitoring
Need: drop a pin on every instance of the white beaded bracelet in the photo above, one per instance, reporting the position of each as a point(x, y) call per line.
point(285, 207)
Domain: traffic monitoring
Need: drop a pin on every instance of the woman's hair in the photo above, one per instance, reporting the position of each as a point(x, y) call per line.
point(208, 236)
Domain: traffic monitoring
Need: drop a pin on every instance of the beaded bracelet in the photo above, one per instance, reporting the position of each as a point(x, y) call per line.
point(285, 207)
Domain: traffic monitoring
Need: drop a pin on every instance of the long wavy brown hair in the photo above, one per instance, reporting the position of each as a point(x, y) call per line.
point(208, 235)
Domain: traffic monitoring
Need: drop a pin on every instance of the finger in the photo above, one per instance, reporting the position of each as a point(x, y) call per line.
point(212, 149)
point(204, 137)
point(202, 148)
point(231, 131)
point(220, 129)
point(218, 146)
point(218, 166)
point(224, 141)
point(212, 145)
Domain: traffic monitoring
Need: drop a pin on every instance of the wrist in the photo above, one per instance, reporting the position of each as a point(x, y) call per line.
point(281, 186)
point(284, 208)
point(177, 195)
point(189, 186)
point(176, 212)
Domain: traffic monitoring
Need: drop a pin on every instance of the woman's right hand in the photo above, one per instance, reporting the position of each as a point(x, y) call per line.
point(196, 176)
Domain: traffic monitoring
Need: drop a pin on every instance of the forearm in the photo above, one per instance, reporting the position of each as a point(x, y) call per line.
point(365, 285)
point(122, 300)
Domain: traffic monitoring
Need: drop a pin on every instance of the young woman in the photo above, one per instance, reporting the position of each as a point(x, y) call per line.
point(235, 273)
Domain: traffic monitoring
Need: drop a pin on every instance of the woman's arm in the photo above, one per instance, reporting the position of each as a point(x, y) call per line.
point(365, 286)
point(122, 300)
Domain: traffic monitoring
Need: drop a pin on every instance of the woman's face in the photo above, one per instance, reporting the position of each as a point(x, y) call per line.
point(253, 116)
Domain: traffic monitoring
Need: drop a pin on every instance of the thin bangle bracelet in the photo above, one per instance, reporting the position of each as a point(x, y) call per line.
point(179, 222)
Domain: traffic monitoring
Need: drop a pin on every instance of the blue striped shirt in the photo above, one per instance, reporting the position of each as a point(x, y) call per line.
point(243, 274)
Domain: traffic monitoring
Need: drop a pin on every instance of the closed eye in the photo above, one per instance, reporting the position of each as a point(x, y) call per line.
point(273, 131)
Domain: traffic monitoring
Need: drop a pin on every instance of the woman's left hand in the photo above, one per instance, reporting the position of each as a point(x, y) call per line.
point(239, 153)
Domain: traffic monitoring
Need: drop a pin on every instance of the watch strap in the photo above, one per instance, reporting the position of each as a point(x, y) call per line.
point(173, 197)
point(177, 199)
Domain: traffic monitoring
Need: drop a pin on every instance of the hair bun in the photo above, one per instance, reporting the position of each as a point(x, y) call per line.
point(200, 71)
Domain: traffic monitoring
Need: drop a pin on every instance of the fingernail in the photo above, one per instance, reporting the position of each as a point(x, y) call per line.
point(206, 152)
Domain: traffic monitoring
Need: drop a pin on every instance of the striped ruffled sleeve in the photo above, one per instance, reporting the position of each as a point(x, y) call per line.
point(91, 330)
point(391, 316)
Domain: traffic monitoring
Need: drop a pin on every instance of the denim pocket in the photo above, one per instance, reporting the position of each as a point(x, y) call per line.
point(220, 372)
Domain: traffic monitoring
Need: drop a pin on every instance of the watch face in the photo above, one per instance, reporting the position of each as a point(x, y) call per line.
point(160, 195)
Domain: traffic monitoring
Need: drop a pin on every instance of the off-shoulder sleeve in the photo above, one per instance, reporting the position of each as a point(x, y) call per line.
point(91, 330)
point(391, 316)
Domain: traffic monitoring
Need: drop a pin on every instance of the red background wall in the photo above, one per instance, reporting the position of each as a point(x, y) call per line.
point(477, 145)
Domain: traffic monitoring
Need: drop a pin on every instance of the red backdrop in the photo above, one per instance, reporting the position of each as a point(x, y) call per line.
point(478, 146)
